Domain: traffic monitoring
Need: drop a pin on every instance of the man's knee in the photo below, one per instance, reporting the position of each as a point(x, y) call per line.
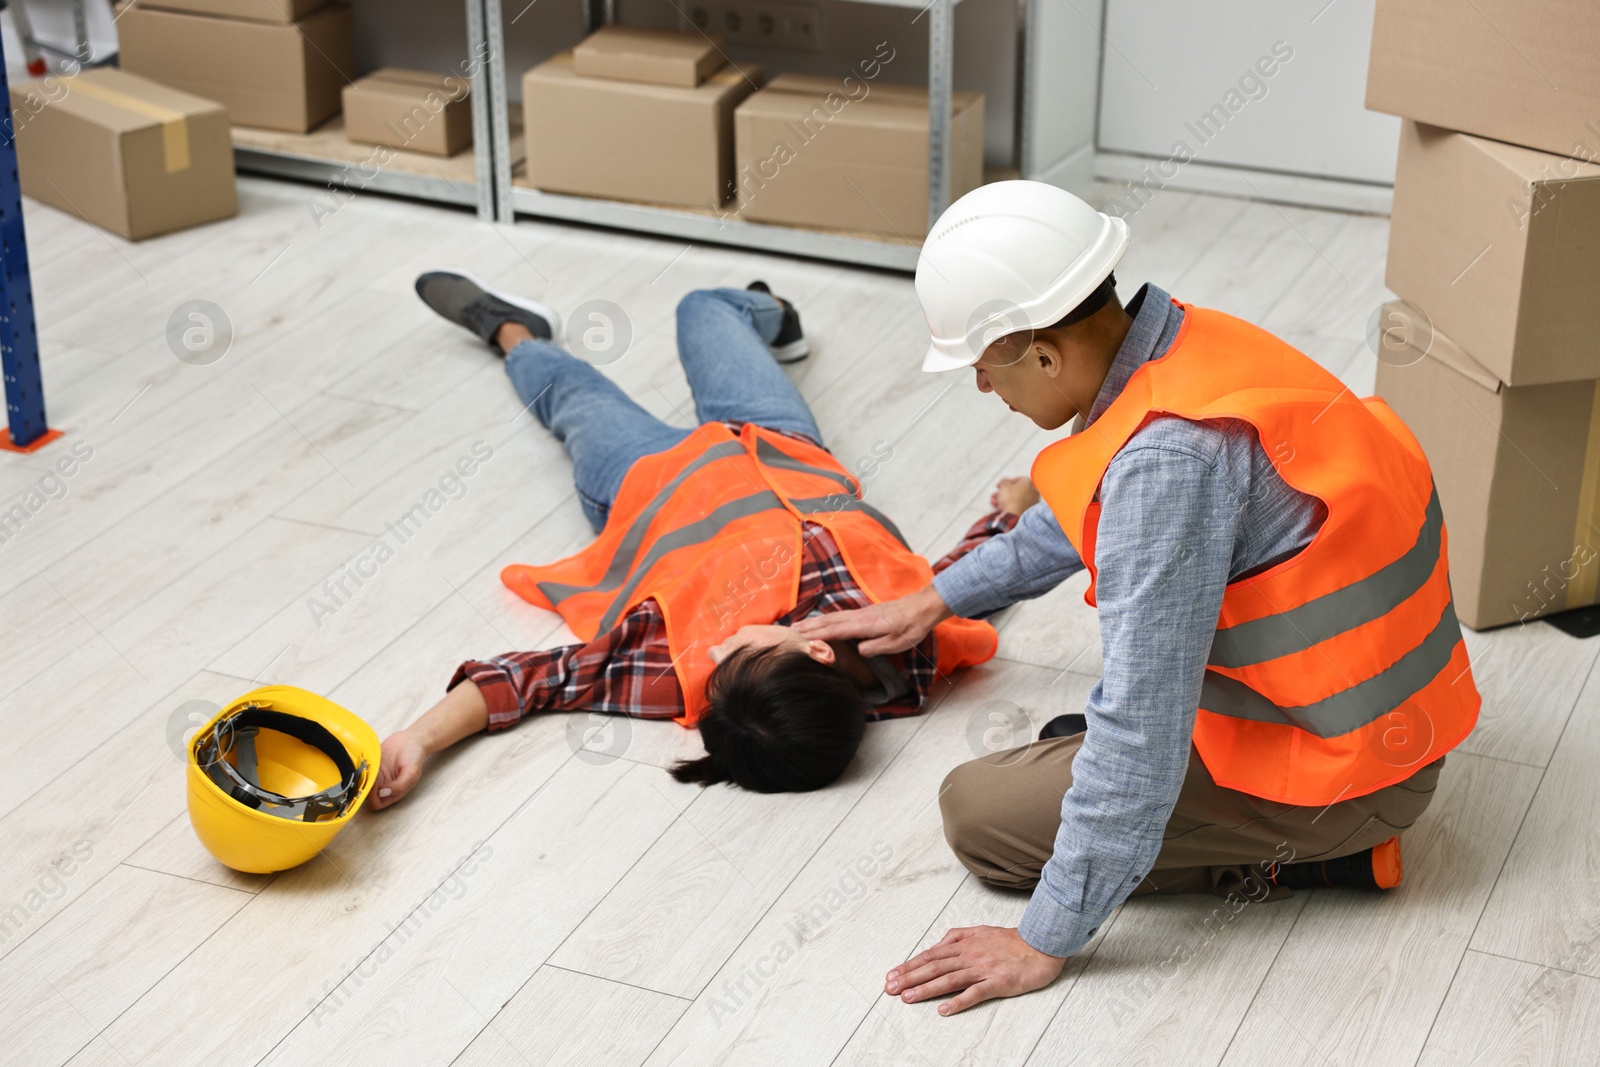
point(976, 827)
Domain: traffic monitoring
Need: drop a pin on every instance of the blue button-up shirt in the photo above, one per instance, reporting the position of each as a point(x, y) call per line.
point(1186, 507)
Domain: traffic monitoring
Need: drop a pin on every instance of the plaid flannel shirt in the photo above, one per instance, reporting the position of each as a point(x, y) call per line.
point(628, 669)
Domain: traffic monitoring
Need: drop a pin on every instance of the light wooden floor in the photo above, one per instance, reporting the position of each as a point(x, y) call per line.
point(535, 903)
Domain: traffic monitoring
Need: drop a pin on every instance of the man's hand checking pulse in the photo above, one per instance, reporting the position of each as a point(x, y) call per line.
point(893, 626)
point(977, 963)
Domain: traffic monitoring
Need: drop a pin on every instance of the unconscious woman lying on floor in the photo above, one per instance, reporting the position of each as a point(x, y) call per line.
point(711, 542)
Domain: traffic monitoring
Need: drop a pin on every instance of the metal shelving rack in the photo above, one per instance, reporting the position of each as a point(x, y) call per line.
point(513, 199)
point(498, 197)
point(304, 159)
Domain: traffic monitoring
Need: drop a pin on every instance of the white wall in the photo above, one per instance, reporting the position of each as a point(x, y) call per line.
point(1169, 62)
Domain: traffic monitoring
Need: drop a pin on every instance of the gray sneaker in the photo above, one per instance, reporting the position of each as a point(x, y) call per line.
point(471, 304)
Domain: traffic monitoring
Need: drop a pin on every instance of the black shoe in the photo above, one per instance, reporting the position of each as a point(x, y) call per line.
point(1374, 868)
point(1064, 726)
point(469, 303)
point(790, 346)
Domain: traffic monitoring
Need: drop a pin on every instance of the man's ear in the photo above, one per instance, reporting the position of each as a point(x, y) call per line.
point(820, 651)
point(1048, 356)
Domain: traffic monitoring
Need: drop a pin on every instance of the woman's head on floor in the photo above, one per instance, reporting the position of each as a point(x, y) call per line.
point(778, 719)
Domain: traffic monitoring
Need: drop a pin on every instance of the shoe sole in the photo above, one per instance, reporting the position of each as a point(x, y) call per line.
point(1386, 867)
point(544, 311)
point(793, 352)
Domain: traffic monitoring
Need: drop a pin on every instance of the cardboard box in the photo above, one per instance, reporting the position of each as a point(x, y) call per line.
point(633, 53)
point(811, 155)
point(1522, 71)
point(662, 144)
point(1500, 246)
point(1517, 468)
point(284, 76)
point(409, 109)
point(124, 153)
point(255, 10)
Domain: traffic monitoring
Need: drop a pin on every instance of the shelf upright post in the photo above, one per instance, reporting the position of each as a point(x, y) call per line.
point(26, 428)
point(1023, 104)
point(941, 63)
point(480, 49)
point(499, 110)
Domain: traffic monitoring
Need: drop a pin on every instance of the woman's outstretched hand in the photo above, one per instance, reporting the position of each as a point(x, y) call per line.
point(399, 769)
point(1013, 496)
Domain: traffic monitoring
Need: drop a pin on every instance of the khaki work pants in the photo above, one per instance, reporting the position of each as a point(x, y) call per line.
point(1001, 814)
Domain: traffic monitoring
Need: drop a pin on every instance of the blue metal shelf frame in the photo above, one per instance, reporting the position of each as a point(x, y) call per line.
point(19, 339)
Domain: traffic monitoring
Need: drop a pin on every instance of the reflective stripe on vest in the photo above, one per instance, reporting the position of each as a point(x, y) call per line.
point(1333, 613)
point(622, 563)
point(624, 574)
point(1349, 709)
point(849, 501)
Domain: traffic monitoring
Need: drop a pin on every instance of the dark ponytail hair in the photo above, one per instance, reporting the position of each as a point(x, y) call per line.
point(776, 721)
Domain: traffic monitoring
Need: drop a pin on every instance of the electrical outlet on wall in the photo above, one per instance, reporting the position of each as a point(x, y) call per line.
point(778, 25)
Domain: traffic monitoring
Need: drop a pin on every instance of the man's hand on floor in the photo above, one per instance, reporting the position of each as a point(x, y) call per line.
point(893, 626)
point(399, 769)
point(979, 963)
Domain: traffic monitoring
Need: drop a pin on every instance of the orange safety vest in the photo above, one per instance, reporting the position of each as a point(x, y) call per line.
point(710, 529)
point(1340, 670)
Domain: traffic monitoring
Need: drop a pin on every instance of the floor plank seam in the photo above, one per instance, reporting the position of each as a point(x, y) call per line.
point(188, 878)
point(1512, 762)
point(101, 1032)
point(873, 1002)
point(799, 870)
point(133, 510)
point(1535, 963)
point(1266, 315)
point(1209, 247)
point(323, 525)
point(1533, 799)
point(1261, 984)
point(108, 738)
point(545, 962)
point(406, 918)
point(614, 981)
point(1088, 962)
point(401, 409)
point(409, 415)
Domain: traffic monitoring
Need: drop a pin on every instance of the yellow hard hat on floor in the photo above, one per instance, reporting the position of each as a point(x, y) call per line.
point(275, 775)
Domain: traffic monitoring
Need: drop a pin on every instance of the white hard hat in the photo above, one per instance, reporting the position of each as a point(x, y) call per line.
point(1010, 256)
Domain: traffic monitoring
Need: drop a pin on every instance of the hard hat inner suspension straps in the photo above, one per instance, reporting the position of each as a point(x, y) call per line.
point(236, 734)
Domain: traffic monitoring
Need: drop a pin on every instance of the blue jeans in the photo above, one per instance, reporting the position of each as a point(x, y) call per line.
point(722, 343)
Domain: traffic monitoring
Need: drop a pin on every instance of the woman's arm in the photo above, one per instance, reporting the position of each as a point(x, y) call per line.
point(462, 713)
point(628, 670)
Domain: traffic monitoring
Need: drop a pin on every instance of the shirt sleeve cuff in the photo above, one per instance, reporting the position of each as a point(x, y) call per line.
point(494, 682)
point(1052, 928)
point(965, 590)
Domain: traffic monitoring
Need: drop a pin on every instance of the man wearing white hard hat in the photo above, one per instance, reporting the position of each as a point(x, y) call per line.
point(1283, 669)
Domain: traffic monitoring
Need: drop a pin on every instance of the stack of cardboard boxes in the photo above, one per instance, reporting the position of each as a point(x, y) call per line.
point(1492, 354)
point(278, 64)
point(634, 114)
point(661, 117)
